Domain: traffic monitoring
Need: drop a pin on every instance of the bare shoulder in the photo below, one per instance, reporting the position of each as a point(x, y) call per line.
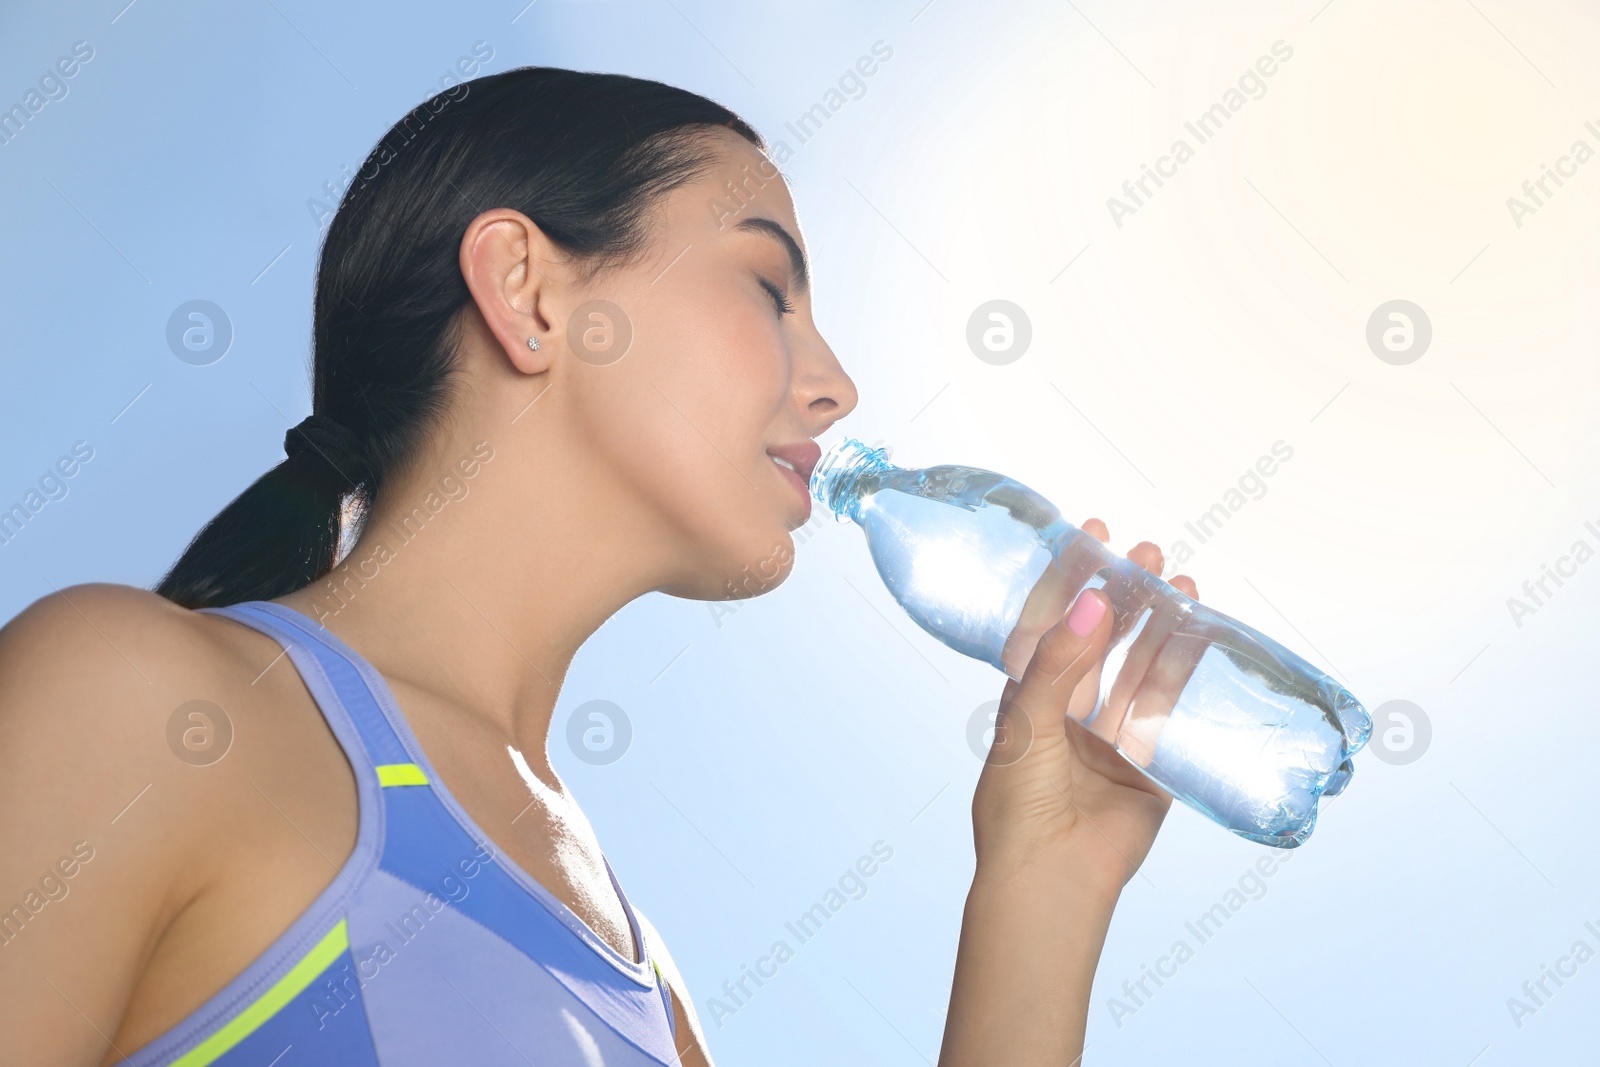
point(87, 672)
point(108, 689)
point(93, 683)
point(106, 818)
point(84, 623)
point(97, 655)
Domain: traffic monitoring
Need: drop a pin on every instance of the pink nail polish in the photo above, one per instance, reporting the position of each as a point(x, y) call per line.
point(1085, 614)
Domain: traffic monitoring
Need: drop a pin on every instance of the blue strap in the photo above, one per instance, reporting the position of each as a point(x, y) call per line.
point(328, 673)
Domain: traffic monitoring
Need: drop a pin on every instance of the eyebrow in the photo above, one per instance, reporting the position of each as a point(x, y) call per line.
point(797, 258)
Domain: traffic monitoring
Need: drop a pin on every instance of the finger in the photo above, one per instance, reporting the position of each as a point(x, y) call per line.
point(1096, 529)
point(1009, 690)
point(1148, 555)
point(1067, 652)
point(1185, 585)
point(1158, 695)
point(1162, 622)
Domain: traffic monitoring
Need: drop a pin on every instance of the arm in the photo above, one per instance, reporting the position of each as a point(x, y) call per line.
point(1060, 822)
point(1030, 940)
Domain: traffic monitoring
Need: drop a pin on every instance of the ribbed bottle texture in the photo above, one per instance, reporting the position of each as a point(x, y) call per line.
point(1221, 716)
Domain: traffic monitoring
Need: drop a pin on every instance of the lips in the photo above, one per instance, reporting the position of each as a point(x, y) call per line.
point(801, 457)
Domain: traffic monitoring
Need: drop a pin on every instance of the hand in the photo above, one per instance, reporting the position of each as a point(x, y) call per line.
point(1052, 794)
point(1061, 821)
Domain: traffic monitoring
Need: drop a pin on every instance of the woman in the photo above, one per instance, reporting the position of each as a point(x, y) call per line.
point(564, 356)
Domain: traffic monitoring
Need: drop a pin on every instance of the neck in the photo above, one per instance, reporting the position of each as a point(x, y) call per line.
point(477, 578)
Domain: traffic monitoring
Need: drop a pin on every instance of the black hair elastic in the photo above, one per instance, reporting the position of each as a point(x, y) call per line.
point(338, 448)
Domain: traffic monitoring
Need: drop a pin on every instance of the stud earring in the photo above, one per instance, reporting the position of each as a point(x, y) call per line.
point(533, 343)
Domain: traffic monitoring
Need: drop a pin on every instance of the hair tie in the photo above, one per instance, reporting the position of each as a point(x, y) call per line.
point(338, 449)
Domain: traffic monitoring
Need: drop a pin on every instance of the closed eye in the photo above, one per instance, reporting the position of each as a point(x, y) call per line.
point(785, 307)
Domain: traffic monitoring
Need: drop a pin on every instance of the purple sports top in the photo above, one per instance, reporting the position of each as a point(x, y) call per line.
point(429, 947)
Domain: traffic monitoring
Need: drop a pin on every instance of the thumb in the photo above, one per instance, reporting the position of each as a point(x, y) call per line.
point(1033, 709)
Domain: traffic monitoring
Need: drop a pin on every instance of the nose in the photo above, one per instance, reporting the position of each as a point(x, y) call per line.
point(823, 391)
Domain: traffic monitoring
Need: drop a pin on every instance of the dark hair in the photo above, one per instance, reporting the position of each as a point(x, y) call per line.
point(585, 156)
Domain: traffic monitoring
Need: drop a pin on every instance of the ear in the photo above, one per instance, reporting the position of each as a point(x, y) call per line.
point(518, 278)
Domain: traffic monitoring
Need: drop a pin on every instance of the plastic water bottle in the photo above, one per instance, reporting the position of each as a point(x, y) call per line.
point(1255, 736)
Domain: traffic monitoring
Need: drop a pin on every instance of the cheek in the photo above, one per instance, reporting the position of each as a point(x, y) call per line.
point(729, 346)
point(687, 414)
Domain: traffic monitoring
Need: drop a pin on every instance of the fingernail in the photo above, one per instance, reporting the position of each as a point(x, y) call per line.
point(1085, 614)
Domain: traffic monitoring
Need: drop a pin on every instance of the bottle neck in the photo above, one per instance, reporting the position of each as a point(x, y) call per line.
point(836, 479)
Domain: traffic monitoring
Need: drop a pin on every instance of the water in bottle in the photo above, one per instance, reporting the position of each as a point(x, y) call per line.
point(1219, 715)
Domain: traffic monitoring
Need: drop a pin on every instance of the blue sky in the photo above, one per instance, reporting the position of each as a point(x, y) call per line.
point(1172, 346)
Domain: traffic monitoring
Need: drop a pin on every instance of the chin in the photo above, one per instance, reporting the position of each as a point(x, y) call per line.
point(749, 569)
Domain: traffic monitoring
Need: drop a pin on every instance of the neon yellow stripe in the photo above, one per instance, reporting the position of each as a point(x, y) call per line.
point(271, 1002)
point(401, 774)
